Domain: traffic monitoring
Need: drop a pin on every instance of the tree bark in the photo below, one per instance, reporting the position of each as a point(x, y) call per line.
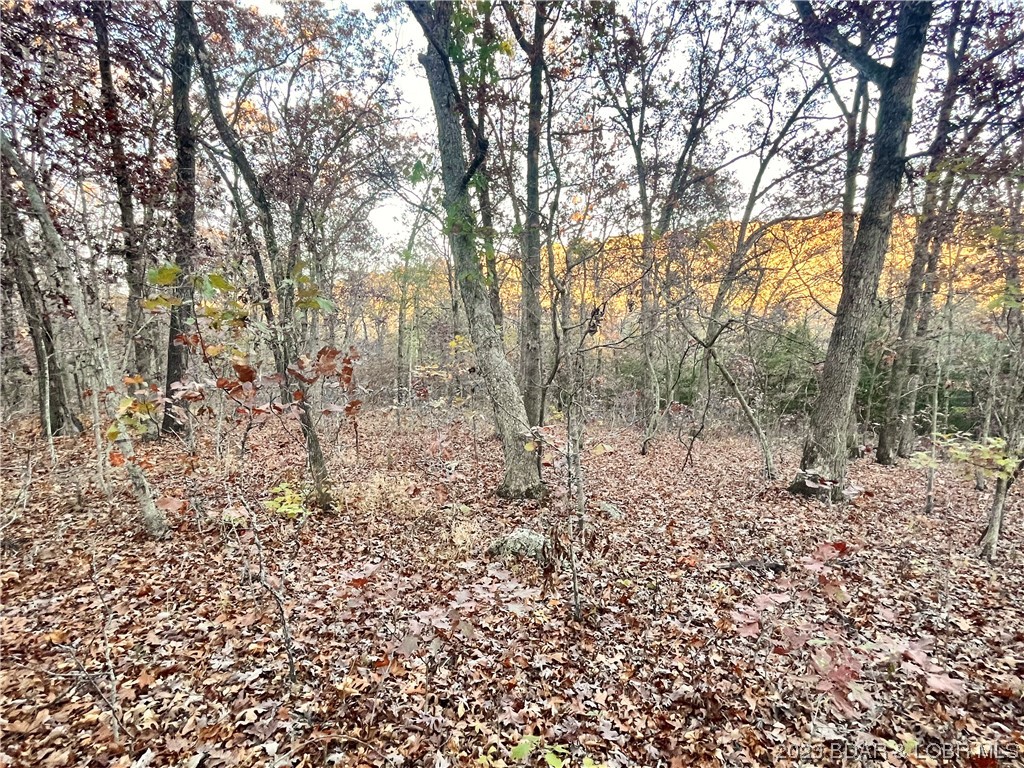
point(135, 264)
point(152, 516)
point(932, 228)
point(530, 350)
point(54, 246)
point(490, 253)
point(55, 415)
point(184, 207)
point(11, 365)
point(997, 511)
point(522, 474)
point(825, 454)
point(403, 360)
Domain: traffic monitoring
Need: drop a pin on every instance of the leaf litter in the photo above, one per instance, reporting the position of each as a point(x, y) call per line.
point(724, 621)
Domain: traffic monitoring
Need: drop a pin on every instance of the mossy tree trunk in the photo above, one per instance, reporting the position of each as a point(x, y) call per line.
point(522, 474)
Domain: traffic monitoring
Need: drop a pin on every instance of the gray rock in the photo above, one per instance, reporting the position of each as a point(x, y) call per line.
point(522, 542)
point(612, 511)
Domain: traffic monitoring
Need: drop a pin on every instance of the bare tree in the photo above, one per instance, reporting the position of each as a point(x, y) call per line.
point(134, 258)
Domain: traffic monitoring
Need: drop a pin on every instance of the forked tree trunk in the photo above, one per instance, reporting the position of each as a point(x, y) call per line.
point(931, 230)
point(825, 454)
point(292, 390)
point(56, 417)
point(522, 475)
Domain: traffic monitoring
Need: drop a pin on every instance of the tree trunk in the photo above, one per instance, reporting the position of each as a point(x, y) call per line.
point(980, 480)
point(825, 452)
point(931, 231)
point(522, 474)
point(403, 358)
point(152, 516)
point(10, 360)
point(531, 313)
point(283, 345)
point(490, 258)
point(899, 396)
point(56, 417)
point(184, 208)
point(651, 388)
point(54, 246)
point(990, 540)
point(154, 520)
point(135, 266)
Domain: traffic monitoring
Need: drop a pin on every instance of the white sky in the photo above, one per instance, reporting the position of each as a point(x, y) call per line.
point(392, 218)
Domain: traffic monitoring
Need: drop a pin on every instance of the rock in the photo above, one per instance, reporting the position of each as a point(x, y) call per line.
point(522, 542)
point(612, 511)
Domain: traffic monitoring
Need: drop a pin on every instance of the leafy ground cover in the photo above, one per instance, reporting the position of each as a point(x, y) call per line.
point(724, 621)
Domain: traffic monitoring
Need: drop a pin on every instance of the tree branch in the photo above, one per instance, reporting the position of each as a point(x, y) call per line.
point(826, 34)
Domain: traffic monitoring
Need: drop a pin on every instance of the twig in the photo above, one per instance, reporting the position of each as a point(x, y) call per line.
point(274, 593)
point(112, 706)
point(111, 673)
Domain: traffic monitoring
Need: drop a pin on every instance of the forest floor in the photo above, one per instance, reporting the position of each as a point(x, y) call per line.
point(876, 637)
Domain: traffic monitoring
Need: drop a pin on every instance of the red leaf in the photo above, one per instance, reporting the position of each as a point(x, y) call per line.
point(244, 372)
point(303, 374)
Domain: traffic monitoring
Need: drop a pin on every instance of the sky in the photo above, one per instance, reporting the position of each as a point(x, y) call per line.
point(392, 218)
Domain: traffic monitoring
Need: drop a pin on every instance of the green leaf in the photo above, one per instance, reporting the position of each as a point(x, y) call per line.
point(525, 746)
point(553, 760)
point(159, 302)
point(419, 172)
point(220, 283)
point(166, 274)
